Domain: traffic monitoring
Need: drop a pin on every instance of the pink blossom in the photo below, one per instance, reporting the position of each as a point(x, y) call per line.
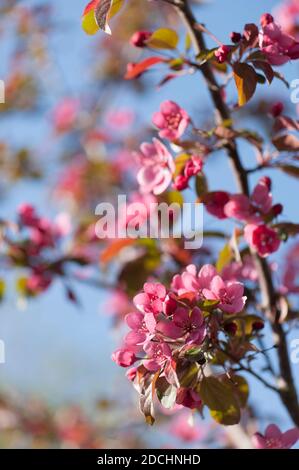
point(131, 373)
point(238, 207)
point(246, 209)
point(158, 355)
point(262, 238)
point(277, 109)
point(275, 439)
point(65, 114)
point(193, 166)
point(181, 428)
point(278, 46)
point(188, 398)
point(157, 167)
point(172, 120)
point(139, 38)
point(184, 323)
point(215, 203)
point(261, 197)
point(287, 14)
point(27, 215)
point(181, 182)
point(123, 357)
point(222, 53)
point(291, 270)
point(142, 327)
point(118, 303)
point(190, 281)
point(151, 299)
point(242, 270)
point(120, 119)
point(229, 294)
point(38, 282)
point(141, 204)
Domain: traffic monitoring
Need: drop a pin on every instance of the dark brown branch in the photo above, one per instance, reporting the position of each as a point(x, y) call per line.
point(287, 389)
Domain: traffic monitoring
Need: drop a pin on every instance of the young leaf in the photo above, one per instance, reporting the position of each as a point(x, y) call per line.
point(114, 248)
point(163, 38)
point(220, 399)
point(224, 258)
point(246, 81)
point(97, 14)
point(201, 185)
point(142, 66)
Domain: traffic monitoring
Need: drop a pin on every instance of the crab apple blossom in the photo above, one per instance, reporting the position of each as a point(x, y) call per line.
point(172, 120)
point(222, 53)
point(184, 323)
point(157, 167)
point(139, 38)
point(123, 357)
point(277, 46)
point(215, 203)
point(193, 166)
point(276, 109)
point(142, 326)
point(158, 354)
point(275, 439)
point(229, 294)
point(262, 238)
point(182, 428)
point(65, 114)
point(151, 299)
point(191, 281)
point(181, 182)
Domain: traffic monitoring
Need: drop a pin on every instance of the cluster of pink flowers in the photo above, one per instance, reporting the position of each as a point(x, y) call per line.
point(255, 211)
point(207, 284)
point(278, 46)
point(65, 115)
point(157, 164)
point(168, 324)
point(41, 235)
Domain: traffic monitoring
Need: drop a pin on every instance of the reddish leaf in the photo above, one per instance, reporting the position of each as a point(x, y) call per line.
point(114, 248)
point(142, 66)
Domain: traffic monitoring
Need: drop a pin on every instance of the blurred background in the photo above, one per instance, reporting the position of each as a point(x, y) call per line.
point(58, 386)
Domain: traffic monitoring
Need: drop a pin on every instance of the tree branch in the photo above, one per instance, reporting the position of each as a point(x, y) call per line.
point(287, 389)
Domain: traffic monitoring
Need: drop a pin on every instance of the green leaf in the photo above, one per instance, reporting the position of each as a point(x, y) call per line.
point(266, 68)
point(2, 288)
point(163, 38)
point(206, 54)
point(220, 399)
point(246, 81)
point(201, 185)
point(228, 417)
